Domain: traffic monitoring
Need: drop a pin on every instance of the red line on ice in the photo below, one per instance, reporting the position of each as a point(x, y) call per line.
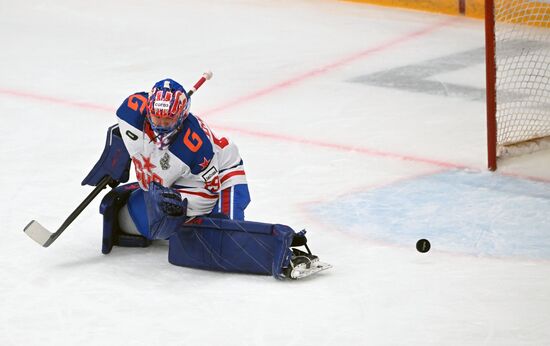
point(51, 99)
point(336, 146)
point(327, 68)
point(278, 86)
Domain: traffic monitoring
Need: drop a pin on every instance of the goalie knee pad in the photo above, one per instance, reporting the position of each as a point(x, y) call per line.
point(156, 213)
point(110, 207)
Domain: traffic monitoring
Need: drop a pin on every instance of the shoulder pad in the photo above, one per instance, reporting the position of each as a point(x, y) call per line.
point(133, 109)
point(193, 146)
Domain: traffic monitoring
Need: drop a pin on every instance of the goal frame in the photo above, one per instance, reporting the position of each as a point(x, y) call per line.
point(507, 84)
point(490, 75)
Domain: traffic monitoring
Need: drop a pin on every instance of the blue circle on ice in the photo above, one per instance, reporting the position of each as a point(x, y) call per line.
point(475, 213)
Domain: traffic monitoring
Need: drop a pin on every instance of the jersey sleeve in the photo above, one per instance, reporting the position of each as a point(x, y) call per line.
point(132, 110)
point(193, 147)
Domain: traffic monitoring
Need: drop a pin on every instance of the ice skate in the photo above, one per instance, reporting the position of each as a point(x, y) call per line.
point(303, 264)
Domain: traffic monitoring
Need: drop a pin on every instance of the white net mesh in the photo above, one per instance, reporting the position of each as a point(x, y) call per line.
point(522, 35)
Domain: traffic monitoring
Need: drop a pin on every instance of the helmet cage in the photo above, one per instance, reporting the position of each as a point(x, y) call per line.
point(167, 107)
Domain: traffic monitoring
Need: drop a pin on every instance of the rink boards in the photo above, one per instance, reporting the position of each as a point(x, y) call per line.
point(532, 12)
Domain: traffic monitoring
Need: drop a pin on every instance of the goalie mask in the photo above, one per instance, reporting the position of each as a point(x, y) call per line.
point(167, 108)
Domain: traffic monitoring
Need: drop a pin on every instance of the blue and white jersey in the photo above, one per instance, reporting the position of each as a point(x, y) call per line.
point(197, 163)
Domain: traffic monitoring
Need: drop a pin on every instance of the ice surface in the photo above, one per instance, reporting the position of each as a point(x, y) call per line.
point(366, 168)
point(462, 212)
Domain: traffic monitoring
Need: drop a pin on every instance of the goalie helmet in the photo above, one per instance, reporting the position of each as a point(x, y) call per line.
point(167, 108)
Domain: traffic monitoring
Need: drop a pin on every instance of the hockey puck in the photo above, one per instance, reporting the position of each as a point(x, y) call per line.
point(423, 245)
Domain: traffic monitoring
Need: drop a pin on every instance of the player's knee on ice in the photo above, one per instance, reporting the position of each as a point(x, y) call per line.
point(126, 213)
point(118, 230)
point(126, 223)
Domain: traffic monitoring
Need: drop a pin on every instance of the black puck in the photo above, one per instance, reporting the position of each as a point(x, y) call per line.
point(423, 245)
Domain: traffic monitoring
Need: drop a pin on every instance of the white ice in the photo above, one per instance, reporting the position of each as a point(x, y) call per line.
point(314, 139)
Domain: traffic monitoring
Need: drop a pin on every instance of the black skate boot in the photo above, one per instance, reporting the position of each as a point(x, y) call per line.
point(303, 264)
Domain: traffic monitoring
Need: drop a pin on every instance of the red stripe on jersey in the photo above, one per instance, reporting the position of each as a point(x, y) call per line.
point(226, 202)
point(232, 174)
point(200, 194)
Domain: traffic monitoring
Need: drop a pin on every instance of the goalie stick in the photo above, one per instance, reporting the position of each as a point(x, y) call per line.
point(42, 236)
point(205, 76)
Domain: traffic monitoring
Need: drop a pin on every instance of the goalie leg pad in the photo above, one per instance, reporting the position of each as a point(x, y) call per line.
point(110, 207)
point(232, 246)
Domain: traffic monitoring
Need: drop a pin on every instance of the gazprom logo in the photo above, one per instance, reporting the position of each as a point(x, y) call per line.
point(162, 105)
point(211, 173)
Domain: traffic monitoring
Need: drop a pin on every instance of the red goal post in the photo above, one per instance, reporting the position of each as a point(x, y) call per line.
point(517, 37)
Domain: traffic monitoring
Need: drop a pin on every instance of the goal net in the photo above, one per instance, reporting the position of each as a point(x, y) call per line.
point(518, 77)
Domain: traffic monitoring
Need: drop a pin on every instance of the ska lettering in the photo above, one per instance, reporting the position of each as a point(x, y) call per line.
point(144, 171)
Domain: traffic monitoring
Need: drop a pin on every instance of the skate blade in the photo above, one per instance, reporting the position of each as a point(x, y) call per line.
point(301, 271)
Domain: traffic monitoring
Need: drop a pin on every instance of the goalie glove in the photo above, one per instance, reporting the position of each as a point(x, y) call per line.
point(166, 211)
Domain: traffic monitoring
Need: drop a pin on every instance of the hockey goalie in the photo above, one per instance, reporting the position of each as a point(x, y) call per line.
point(191, 190)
